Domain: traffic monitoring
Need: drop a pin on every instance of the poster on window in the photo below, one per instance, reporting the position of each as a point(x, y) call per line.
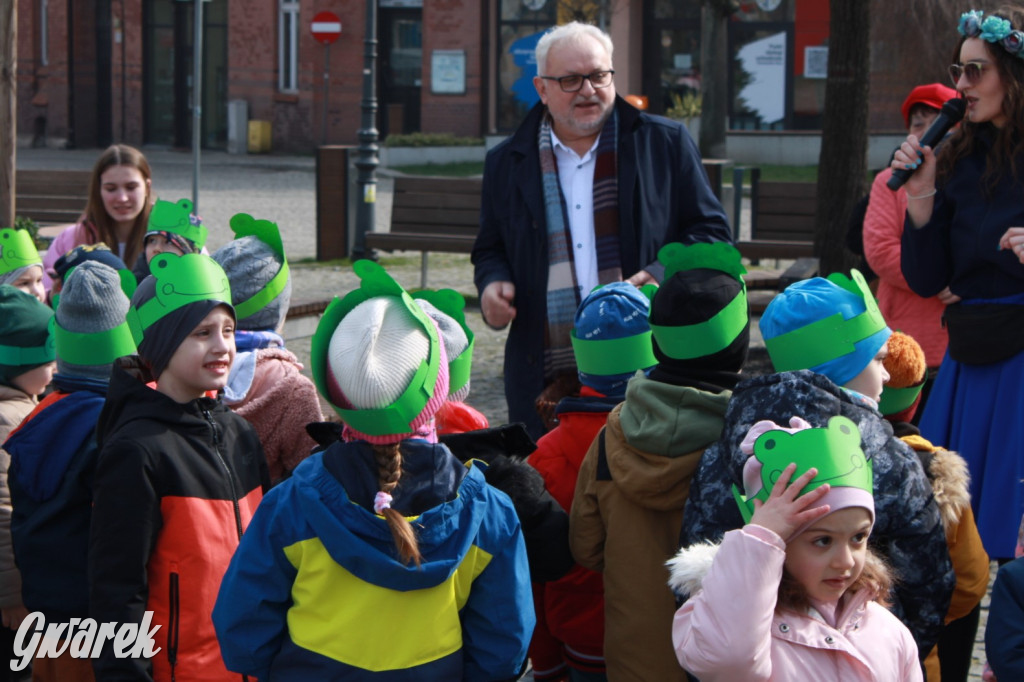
point(815, 62)
point(448, 72)
point(764, 66)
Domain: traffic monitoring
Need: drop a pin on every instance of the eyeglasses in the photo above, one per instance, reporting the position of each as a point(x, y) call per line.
point(573, 83)
point(972, 71)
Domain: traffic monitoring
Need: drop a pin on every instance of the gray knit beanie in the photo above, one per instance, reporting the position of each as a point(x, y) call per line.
point(454, 338)
point(91, 330)
point(250, 264)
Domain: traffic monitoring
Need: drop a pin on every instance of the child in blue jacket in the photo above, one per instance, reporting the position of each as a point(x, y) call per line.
point(382, 557)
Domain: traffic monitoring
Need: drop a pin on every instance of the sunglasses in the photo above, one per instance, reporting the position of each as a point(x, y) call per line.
point(972, 71)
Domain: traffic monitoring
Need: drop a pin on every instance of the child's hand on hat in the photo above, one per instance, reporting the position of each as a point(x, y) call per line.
point(786, 510)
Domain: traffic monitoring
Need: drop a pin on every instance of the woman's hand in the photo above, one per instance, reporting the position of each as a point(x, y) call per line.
point(784, 512)
point(948, 297)
point(1013, 239)
point(920, 187)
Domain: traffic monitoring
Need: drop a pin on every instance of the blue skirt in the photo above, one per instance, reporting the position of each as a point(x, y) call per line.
point(978, 411)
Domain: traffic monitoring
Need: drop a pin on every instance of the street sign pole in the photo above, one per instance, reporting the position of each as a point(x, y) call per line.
point(326, 28)
point(367, 161)
point(327, 82)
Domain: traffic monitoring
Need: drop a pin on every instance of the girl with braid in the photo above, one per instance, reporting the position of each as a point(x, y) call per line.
point(385, 531)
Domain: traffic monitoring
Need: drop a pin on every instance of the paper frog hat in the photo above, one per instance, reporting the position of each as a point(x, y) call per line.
point(610, 333)
point(690, 341)
point(17, 250)
point(428, 387)
point(100, 253)
point(831, 326)
point(244, 225)
point(453, 304)
point(177, 218)
point(180, 280)
point(834, 450)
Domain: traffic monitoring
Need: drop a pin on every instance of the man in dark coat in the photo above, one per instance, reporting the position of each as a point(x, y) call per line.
point(584, 193)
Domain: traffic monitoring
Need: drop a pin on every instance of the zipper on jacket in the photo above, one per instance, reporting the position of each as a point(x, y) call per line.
point(173, 621)
point(231, 479)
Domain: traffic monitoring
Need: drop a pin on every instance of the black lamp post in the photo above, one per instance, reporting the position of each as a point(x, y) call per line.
point(367, 160)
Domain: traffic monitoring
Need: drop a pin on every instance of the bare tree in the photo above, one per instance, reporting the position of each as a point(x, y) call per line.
point(8, 108)
point(714, 60)
point(842, 166)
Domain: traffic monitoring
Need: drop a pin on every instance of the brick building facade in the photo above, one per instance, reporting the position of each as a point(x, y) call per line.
point(92, 72)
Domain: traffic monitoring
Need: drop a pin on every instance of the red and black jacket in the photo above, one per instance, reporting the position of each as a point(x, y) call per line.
point(175, 487)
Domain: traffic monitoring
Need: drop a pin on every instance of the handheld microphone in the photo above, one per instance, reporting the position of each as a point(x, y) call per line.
point(952, 112)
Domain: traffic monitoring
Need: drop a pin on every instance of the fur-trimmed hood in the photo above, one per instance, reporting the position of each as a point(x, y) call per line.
point(689, 566)
point(947, 472)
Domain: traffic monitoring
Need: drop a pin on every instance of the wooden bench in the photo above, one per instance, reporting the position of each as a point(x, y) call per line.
point(431, 214)
point(51, 197)
point(782, 224)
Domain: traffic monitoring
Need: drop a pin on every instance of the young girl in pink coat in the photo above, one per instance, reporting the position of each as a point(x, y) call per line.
point(795, 594)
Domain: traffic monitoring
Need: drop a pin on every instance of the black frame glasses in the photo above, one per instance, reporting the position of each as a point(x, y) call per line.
point(972, 71)
point(574, 82)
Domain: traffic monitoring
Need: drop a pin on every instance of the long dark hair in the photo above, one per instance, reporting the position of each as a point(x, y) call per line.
point(96, 215)
point(1008, 146)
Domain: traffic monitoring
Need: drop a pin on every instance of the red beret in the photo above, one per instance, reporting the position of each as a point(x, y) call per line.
point(933, 95)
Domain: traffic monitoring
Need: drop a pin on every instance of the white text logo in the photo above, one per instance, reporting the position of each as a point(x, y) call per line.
point(82, 638)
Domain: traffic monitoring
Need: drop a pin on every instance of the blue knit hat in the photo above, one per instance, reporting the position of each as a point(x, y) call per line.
point(830, 326)
point(611, 337)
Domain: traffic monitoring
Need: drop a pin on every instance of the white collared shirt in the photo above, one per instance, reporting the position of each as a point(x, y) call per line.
point(576, 178)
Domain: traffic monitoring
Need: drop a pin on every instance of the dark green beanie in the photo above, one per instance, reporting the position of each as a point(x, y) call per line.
point(26, 341)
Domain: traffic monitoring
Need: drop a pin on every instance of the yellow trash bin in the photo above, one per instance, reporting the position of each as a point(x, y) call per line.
point(259, 137)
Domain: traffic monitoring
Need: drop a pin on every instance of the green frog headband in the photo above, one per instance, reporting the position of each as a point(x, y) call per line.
point(178, 218)
point(30, 356)
point(715, 334)
point(180, 280)
point(830, 337)
point(95, 348)
point(612, 356)
point(244, 225)
point(452, 304)
point(992, 29)
point(17, 250)
point(834, 450)
point(396, 417)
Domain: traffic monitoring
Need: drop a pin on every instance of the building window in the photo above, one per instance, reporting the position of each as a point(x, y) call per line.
point(288, 46)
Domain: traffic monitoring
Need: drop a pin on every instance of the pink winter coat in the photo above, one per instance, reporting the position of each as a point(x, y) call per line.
point(731, 630)
point(903, 310)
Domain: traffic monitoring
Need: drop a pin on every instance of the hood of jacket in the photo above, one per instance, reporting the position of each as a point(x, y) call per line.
point(361, 541)
point(648, 479)
point(129, 399)
point(46, 442)
point(946, 470)
point(671, 420)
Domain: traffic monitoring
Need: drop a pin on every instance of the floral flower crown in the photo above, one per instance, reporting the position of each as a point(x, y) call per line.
point(992, 29)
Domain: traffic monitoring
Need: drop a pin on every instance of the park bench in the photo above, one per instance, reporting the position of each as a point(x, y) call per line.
point(431, 214)
point(782, 223)
point(51, 197)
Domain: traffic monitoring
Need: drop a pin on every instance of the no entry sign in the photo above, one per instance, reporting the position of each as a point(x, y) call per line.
point(326, 27)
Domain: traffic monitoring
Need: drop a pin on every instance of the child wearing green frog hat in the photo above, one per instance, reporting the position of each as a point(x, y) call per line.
point(172, 228)
point(827, 340)
point(796, 591)
point(178, 475)
point(384, 556)
point(20, 264)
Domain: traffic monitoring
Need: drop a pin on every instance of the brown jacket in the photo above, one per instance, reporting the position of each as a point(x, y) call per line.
point(626, 518)
point(14, 406)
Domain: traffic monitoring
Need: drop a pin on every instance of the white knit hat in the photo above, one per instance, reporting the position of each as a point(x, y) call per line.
point(375, 352)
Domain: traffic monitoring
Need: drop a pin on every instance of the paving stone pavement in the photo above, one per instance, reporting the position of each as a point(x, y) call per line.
point(283, 189)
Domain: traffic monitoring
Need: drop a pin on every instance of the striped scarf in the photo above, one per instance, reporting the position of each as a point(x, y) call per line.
point(563, 296)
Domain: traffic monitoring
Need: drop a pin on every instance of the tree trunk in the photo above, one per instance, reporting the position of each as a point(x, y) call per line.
point(8, 108)
point(714, 64)
point(842, 166)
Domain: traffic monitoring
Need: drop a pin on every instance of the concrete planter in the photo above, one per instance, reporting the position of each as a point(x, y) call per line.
point(408, 156)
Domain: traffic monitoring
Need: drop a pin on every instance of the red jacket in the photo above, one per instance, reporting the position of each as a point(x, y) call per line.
point(570, 611)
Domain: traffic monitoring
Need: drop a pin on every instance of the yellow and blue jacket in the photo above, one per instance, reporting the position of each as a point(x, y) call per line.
point(316, 589)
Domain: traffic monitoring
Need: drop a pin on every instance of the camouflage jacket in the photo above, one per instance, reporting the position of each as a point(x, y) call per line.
point(908, 531)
